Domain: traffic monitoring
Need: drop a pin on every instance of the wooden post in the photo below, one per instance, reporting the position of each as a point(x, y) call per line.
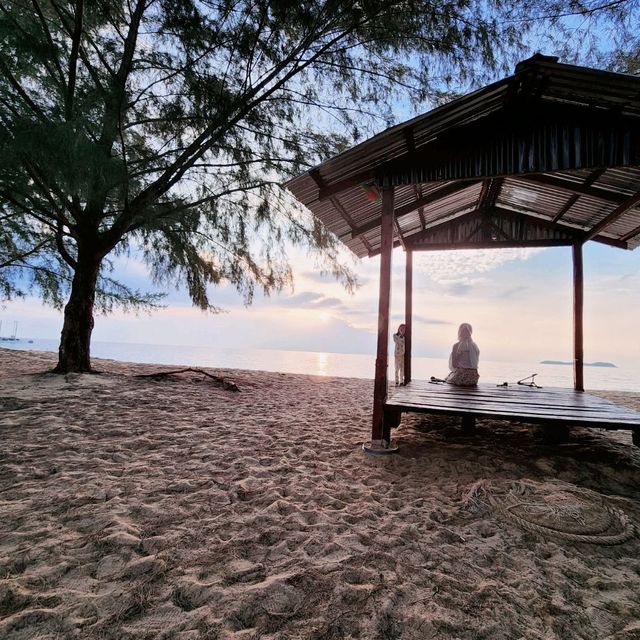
point(578, 299)
point(379, 435)
point(408, 313)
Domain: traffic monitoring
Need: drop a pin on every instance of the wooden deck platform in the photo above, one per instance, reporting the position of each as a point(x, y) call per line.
point(550, 405)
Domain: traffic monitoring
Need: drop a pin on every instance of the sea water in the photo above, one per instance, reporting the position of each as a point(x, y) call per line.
point(341, 364)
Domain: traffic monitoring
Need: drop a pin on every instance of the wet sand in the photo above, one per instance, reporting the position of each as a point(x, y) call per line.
point(136, 509)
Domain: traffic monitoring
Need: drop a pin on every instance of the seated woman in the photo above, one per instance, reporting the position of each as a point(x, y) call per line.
point(463, 361)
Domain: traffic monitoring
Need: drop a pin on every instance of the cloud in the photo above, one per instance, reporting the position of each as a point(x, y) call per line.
point(333, 335)
point(309, 300)
point(621, 285)
point(512, 292)
point(459, 287)
point(317, 276)
point(300, 299)
point(440, 266)
point(328, 278)
point(325, 303)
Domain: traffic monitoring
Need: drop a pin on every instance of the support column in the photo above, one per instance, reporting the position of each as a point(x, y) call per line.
point(408, 313)
point(578, 300)
point(380, 432)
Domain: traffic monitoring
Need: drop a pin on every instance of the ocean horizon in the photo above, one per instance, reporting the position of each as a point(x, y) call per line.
point(348, 365)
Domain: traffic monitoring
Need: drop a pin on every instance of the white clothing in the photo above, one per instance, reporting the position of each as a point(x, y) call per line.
point(464, 355)
point(399, 344)
point(399, 369)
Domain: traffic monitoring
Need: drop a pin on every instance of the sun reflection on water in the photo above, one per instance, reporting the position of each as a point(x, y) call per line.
point(322, 363)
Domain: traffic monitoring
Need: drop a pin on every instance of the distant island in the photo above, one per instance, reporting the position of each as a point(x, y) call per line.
point(586, 364)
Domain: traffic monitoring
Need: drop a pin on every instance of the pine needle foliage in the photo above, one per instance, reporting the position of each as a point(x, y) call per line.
point(164, 127)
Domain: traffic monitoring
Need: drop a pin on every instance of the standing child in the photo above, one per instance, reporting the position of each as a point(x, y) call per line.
point(398, 339)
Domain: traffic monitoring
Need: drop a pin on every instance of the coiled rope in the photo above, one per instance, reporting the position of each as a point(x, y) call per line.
point(600, 523)
point(626, 533)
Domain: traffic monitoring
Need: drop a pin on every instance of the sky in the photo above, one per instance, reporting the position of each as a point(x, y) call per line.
point(519, 302)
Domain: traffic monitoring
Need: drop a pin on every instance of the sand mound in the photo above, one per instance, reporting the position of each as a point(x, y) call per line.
point(136, 508)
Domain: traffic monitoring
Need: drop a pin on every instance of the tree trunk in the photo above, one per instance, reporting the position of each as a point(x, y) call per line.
point(75, 341)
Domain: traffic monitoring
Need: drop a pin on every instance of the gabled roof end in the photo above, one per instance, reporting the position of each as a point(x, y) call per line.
point(523, 65)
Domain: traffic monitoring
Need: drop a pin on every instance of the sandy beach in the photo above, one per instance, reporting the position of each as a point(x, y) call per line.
point(134, 508)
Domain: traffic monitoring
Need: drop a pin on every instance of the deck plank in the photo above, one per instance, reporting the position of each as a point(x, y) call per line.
point(519, 403)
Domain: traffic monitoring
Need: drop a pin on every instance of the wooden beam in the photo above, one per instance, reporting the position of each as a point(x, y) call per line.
point(572, 187)
point(412, 241)
point(327, 191)
point(406, 209)
point(619, 211)
point(578, 308)
point(500, 244)
point(408, 313)
point(515, 244)
point(489, 194)
point(317, 178)
point(632, 234)
point(574, 198)
point(409, 139)
point(396, 226)
point(484, 193)
point(417, 189)
point(443, 192)
point(349, 220)
point(578, 231)
point(452, 219)
point(380, 435)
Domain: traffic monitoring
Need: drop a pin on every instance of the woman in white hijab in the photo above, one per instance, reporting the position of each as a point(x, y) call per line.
point(463, 361)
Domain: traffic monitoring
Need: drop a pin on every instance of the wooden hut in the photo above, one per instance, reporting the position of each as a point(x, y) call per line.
point(547, 157)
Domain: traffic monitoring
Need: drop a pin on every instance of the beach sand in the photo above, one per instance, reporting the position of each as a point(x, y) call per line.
point(135, 508)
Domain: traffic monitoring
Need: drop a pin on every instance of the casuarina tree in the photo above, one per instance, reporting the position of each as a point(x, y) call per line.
point(163, 128)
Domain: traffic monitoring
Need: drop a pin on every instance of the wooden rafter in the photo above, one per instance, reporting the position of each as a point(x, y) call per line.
point(411, 147)
point(489, 195)
point(484, 193)
point(435, 225)
point(619, 211)
point(350, 221)
point(396, 226)
point(473, 231)
point(342, 185)
point(563, 226)
point(417, 190)
point(500, 244)
point(409, 139)
point(317, 178)
point(632, 234)
point(447, 190)
point(574, 233)
point(573, 187)
point(574, 198)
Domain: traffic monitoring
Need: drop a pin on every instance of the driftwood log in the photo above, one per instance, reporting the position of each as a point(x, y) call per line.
point(217, 380)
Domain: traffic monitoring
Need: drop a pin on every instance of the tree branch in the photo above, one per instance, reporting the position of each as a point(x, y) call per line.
point(249, 101)
point(66, 256)
point(22, 256)
point(73, 58)
point(6, 71)
point(47, 35)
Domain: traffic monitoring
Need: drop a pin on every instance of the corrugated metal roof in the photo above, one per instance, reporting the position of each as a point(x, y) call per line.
point(549, 165)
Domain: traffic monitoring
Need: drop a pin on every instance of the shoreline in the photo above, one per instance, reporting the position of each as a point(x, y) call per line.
point(49, 358)
point(135, 509)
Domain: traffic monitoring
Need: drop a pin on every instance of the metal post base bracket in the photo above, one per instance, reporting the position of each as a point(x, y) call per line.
point(380, 447)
